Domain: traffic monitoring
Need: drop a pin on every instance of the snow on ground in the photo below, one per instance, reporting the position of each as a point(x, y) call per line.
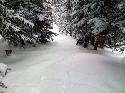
point(3, 70)
point(63, 67)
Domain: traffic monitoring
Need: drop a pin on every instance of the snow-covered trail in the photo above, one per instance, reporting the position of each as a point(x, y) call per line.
point(63, 67)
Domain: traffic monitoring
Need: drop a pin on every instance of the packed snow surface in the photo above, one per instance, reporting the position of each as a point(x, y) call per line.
point(63, 67)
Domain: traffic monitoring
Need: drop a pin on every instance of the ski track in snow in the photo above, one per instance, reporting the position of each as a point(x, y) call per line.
point(63, 67)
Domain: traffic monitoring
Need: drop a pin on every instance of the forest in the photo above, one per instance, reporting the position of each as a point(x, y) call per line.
point(99, 21)
point(53, 35)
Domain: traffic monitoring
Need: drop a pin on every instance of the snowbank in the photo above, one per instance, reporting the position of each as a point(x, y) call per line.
point(3, 70)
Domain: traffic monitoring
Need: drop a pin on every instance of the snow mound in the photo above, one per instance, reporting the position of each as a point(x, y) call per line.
point(3, 70)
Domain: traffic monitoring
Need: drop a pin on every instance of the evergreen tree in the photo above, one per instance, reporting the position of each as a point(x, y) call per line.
point(108, 22)
point(100, 20)
point(62, 11)
point(19, 20)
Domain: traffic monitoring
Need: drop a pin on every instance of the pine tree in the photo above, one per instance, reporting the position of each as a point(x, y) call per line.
point(62, 11)
point(108, 22)
point(99, 18)
point(19, 20)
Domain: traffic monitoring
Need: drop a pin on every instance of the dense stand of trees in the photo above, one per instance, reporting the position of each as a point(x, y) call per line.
point(101, 22)
point(26, 21)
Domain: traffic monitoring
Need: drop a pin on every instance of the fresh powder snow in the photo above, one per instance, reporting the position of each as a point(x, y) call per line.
point(63, 67)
